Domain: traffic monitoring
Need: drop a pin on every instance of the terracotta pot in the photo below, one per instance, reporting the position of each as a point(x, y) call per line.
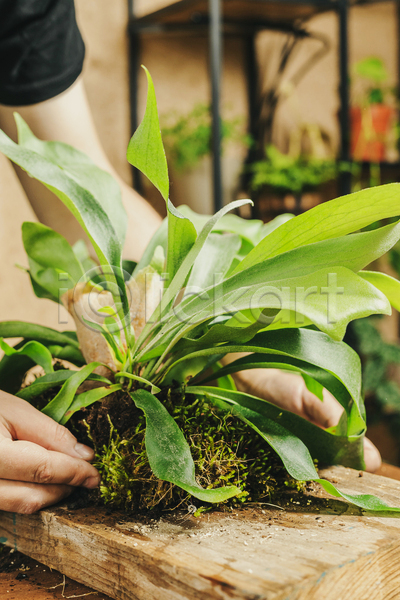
point(369, 128)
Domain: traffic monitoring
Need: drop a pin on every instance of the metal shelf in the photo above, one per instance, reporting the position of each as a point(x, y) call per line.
point(242, 11)
point(245, 18)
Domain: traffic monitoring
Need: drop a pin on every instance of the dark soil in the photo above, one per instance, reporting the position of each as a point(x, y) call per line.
point(22, 578)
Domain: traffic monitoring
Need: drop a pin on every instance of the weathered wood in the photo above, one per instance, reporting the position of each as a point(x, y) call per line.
point(324, 550)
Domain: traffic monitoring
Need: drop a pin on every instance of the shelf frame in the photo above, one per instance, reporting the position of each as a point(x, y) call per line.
point(216, 26)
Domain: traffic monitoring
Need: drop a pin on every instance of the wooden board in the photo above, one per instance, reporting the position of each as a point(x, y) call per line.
point(324, 551)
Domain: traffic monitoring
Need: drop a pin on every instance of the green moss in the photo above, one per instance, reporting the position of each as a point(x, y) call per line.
point(225, 451)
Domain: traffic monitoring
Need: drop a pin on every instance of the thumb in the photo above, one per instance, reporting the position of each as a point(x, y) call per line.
point(20, 421)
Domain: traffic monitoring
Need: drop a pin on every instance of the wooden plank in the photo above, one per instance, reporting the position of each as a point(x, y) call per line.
point(324, 550)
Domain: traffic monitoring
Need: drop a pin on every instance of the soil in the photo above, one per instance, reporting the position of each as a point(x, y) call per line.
point(22, 578)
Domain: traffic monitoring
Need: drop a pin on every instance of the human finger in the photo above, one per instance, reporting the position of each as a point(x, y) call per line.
point(23, 422)
point(324, 413)
point(27, 498)
point(25, 461)
point(289, 391)
point(372, 456)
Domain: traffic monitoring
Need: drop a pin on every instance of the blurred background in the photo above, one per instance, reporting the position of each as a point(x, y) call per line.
point(309, 97)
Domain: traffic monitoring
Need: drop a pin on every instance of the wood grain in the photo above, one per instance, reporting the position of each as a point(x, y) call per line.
point(324, 550)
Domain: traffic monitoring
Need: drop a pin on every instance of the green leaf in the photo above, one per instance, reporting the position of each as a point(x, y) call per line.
point(31, 331)
point(183, 371)
point(386, 284)
point(214, 336)
point(155, 353)
point(179, 280)
point(226, 382)
point(314, 386)
point(87, 399)
point(57, 408)
point(307, 346)
point(38, 353)
point(39, 291)
point(51, 250)
point(154, 388)
point(248, 229)
point(354, 252)
point(372, 68)
point(181, 237)
point(251, 231)
point(70, 353)
point(146, 150)
point(84, 206)
point(329, 298)
point(297, 460)
point(329, 220)
point(292, 451)
point(52, 380)
point(214, 261)
point(13, 368)
point(12, 371)
point(168, 452)
point(79, 167)
point(49, 283)
point(367, 502)
point(128, 266)
point(187, 264)
point(321, 377)
point(319, 350)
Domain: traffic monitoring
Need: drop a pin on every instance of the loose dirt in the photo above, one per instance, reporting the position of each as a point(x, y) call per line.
point(22, 578)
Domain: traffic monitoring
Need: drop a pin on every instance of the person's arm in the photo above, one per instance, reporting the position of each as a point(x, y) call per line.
point(41, 461)
point(67, 118)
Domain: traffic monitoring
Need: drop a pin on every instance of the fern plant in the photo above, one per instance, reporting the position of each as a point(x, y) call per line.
point(282, 293)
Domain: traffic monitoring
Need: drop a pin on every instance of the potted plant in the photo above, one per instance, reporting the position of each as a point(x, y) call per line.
point(295, 173)
point(371, 115)
point(151, 343)
point(187, 140)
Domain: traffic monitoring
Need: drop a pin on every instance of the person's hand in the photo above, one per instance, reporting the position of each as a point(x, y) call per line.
point(289, 391)
point(40, 461)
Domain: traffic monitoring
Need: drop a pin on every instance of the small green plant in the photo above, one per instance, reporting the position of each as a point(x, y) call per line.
point(282, 293)
point(286, 173)
point(373, 72)
point(187, 138)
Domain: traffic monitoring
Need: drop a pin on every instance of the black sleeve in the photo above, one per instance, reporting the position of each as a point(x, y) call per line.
point(41, 50)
